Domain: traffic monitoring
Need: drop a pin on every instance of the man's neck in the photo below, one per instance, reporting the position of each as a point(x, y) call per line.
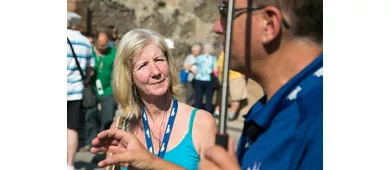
point(98, 53)
point(156, 107)
point(283, 65)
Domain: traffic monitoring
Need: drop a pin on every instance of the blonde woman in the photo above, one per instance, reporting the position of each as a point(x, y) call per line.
point(162, 133)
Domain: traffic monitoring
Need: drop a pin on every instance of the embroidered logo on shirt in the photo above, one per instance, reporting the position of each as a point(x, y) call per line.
point(318, 73)
point(294, 93)
point(255, 166)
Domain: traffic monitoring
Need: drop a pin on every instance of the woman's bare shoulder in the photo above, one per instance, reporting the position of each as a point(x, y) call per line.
point(200, 114)
point(204, 121)
point(184, 106)
point(203, 130)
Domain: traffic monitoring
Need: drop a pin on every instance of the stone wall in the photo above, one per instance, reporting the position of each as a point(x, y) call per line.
point(80, 7)
point(184, 21)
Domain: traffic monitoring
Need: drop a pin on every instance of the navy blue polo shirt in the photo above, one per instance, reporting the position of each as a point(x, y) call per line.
point(286, 132)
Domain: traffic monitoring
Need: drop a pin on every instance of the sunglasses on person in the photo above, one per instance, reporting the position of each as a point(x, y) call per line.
point(223, 10)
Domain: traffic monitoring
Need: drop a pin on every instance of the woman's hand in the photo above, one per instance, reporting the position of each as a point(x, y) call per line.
point(126, 150)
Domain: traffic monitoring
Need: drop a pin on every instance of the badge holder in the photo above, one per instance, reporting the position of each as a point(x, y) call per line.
point(99, 86)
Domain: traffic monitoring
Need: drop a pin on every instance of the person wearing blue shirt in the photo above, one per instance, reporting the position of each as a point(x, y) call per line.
point(190, 68)
point(283, 130)
point(206, 64)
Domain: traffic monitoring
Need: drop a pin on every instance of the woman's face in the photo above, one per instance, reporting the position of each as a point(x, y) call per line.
point(150, 71)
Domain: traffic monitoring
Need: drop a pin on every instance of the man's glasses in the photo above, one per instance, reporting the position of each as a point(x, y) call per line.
point(223, 10)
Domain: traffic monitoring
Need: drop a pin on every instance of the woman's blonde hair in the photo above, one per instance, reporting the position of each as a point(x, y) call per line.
point(124, 89)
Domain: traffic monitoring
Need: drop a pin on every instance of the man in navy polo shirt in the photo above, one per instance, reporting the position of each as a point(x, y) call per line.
point(283, 130)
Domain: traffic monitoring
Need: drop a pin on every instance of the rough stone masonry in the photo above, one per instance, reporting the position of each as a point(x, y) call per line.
point(184, 21)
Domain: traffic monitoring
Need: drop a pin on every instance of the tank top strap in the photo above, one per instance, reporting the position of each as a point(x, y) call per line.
point(192, 120)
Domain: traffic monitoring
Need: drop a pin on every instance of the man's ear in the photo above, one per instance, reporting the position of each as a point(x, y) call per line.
point(273, 24)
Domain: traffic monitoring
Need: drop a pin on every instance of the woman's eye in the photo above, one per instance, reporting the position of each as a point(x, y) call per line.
point(159, 59)
point(142, 66)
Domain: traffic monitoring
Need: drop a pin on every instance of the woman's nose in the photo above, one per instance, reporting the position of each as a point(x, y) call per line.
point(154, 71)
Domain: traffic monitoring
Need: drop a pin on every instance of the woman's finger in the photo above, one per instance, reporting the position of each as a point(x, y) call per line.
point(113, 134)
point(116, 149)
point(120, 158)
point(102, 163)
point(98, 149)
point(114, 159)
point(99, 143)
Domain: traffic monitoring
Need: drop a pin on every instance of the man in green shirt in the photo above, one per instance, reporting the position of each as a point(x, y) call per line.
point(98, 119)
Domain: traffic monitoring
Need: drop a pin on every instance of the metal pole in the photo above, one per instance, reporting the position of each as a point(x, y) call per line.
point(226, 66)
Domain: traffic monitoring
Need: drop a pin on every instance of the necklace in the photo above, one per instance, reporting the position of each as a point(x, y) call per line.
point(160, 130)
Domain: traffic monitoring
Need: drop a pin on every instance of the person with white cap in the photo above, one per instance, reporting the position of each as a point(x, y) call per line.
point(78, 48)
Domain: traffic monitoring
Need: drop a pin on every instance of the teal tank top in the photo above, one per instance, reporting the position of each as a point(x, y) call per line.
point(184, 154)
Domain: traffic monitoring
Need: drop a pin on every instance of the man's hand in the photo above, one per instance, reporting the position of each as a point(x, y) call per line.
point(126, 150)
point(216, 158)
point(89, 73)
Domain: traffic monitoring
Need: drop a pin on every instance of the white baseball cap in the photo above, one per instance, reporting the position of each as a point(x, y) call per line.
point(74, 18)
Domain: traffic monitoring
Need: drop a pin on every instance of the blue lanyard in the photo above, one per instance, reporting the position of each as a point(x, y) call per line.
point(167, 134)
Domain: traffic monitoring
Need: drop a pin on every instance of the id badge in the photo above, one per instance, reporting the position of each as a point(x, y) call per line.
point(99, 87)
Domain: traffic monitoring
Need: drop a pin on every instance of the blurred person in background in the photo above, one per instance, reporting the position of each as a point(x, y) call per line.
point(99, 119)
point(237, 89)
point(91, 38)
point(190, 68)
point(206, 66)
point(112, 33)
point(75, 86)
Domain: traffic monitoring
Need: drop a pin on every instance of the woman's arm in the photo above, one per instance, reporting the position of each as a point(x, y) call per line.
point(204, 131)
point(188, 63)
point(188, 67)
